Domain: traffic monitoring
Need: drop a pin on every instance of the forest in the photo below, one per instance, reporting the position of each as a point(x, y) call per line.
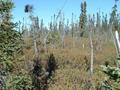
point(76, 54)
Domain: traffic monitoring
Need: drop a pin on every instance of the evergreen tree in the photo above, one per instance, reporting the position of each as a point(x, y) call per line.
point(10, 40)
point(104, 22)
point(98, 22)
point(83, 16)
point(93, 20)
point(72, 26)
point(114, 17)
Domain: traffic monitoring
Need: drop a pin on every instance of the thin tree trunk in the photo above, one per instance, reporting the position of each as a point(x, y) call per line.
point(91, 46)
point(117, 41)
point(113, 39)
point(35, 48)
point(34, 38)
point(117, 47)
point(92, 87)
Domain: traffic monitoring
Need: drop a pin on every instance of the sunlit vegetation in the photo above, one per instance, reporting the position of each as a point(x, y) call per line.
point(66, 55)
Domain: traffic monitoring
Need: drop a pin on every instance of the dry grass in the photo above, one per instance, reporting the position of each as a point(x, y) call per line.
point(71, 73)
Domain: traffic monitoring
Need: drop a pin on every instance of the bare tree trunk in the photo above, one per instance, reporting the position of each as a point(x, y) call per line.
point(117, 47)
point(35, 48)
point(92, 87)
point(113, 39)
point(91, 46)
point(45, 40)
point(117, 41)
point(34, 36)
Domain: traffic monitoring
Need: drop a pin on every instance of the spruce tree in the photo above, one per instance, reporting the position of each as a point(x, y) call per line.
point(114, 20)
point(104, 22)
point(98, 21)
point(10, 40)
point(83, 17)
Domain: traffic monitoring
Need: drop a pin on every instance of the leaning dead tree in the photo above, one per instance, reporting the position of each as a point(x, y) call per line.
point(115, 37)
point(117, 45)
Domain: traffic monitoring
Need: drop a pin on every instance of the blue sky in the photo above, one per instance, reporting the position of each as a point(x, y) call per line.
point(47, 8)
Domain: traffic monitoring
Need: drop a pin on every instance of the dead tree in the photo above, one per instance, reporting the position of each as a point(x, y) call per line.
point(91, 46)
point(117, 42)
point(92, 54)
point(29, 9)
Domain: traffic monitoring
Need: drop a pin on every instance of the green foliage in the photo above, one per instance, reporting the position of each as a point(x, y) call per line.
point(114, 13)
point(114, 18)
point(98, 20)
point(113, 81)
point(112, 72)
point(5, 6)
point(10, 39)
point(22, 81)
point(83, 16)
point(104, 22)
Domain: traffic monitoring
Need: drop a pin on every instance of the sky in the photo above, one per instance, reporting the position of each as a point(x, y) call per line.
point(44, 9)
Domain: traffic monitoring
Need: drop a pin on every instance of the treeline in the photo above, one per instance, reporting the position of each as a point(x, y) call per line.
point(59, 27)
